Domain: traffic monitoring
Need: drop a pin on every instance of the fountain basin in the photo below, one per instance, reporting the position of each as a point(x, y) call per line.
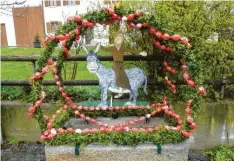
point(142, 152)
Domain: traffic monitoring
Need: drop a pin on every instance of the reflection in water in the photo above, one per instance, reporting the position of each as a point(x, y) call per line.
point(215, 124)
point(223, 137)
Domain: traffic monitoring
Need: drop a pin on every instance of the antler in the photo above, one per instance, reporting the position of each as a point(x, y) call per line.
point(98, 47)
point(85, 48)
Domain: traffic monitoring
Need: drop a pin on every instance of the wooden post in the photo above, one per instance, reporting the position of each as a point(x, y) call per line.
point(33, 66)
point(1, 137)
point(223, 85)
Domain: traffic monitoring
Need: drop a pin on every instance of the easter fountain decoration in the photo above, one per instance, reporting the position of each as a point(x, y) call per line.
point(56, 130)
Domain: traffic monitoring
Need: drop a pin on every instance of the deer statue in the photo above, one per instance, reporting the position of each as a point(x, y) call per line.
point(107, 78)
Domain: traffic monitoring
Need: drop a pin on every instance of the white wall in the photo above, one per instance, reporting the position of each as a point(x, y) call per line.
point(10, 29)
point(7, 19)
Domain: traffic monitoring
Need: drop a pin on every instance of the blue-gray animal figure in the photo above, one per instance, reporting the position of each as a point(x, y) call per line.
point(107, 78)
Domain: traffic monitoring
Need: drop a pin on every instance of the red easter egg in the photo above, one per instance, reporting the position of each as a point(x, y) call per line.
point(90, 25)
point(64, 94)
point(191, 83)
point(43, 137)
point(132, 25)
point(82, 116)
point(37, 75)
point(118, 129)
point(184, 40)
point(49, 62)
point(61, 89)
point(158, 34)
point(30, 115)
point(31, 110)
point(189, 119)
point(188, 111)
point(193, 125)
point(149, 129)
point(77, 18)
point(138, 13)
point(134, 129)
point(184, 67)
point(70, 130)
point(168, 49)
point(130, 17)
point(77, 32)
point(157, 43)
point(176, 37)
point(202, 91)
point(163, 47)
point(65, 50)
point(152, 30)
point(186, 75)
point(139, 25)
point(38, 103)
point(60, 131)
point(185, 134)
point(153, 113)
point(49, 125)
point(45, 42)
point(166, 36)
point(61, 37)
point(180, 122)
point(111, 11)
point(45, 70)
point(85, 22)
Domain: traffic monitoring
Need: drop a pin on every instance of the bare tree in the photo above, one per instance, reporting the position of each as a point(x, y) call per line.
point(7, 5)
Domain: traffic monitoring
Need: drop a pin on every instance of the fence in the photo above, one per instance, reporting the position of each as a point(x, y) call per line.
point(33, 59)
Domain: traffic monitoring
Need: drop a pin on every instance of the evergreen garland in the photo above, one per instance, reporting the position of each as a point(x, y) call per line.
point(72, 30)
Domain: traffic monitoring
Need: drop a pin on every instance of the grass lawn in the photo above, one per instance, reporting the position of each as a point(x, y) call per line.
point(23, 70)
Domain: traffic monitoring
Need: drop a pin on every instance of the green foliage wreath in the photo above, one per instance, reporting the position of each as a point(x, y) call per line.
point(170, 44)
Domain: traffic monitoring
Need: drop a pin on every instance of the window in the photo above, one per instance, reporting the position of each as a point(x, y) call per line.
point(52, 3)
point(53, 26)
point(114, 2)
point(71, 2)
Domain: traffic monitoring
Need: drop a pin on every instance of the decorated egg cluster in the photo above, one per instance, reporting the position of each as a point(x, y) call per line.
point(68, 35)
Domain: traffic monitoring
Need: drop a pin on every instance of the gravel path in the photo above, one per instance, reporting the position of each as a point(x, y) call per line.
point(36, 152)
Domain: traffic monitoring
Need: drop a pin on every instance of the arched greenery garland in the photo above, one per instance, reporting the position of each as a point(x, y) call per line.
point(71, 31)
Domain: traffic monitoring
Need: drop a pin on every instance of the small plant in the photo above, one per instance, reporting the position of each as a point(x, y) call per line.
point(37, 42)
point(221, 153)
point(37, 37)
point(12, 141)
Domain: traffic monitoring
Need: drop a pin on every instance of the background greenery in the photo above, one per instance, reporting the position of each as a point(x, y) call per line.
point(221, 153)
point(199, 21)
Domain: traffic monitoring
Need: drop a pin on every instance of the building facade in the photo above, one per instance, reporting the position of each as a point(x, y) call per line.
point(23, 22)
